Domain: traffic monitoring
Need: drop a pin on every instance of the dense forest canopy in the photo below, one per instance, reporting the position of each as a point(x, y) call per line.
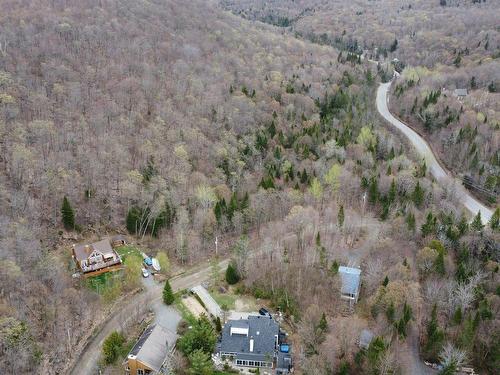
point(179, 123)
point(446, 45)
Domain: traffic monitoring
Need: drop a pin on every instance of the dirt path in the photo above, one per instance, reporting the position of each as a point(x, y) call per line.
point(86, 364)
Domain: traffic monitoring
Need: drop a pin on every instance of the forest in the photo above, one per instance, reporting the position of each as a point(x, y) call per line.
point(178, 122)
point(440, 55)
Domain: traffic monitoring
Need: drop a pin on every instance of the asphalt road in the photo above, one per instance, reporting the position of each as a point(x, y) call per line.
point(423, 148)
point(132, 310)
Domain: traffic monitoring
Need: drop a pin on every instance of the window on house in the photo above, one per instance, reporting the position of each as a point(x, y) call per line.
point(238, 362)
point(140, 371)
point(251, 363)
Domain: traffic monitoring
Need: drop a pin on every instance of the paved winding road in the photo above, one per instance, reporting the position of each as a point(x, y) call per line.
point(423, 148)
point(135, 306)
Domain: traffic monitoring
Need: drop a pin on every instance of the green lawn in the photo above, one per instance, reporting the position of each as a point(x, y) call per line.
point(104, 281)
point(128, 250)
point(222, 299)
point(109, 284)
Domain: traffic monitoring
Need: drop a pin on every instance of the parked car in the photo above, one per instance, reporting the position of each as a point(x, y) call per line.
point(145, 272)
point(264, 312)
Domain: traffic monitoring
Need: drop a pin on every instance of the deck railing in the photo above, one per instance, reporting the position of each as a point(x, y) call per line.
point(98, 266)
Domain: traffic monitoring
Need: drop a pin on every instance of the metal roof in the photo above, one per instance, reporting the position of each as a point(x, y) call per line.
point(365, 338)
point(460, 92)
point(153, 346)
point(351, 278)
point(210, 304)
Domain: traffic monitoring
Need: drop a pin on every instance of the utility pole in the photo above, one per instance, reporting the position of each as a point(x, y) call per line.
point(364, 202)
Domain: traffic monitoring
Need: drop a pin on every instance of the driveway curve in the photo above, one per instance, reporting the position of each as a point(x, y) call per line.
point(86, 364)
point(440, 174)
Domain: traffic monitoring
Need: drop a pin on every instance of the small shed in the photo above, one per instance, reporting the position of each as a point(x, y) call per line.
point(460, 93)
point(351, 280)
point(207, 300)
point(118, 240)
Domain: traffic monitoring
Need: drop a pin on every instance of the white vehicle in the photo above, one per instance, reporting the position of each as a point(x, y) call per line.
point(145, 272)
point(156, 265)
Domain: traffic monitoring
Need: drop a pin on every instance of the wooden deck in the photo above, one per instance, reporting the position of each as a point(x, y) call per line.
point(114, 268)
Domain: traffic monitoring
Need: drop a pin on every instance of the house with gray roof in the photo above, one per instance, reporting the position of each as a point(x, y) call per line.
point(460, 93)
point(151, 352)
point(256, 342)
point(351, 280)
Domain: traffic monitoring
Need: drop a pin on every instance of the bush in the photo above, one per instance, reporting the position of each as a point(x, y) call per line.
point(113, 347)
point(201, 364)
point(259, 292)
point(232, 276)
point(200, 337)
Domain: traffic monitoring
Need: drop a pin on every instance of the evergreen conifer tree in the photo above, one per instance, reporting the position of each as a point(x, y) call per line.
point(168, 294)
point(340, 216)
point(386, 281)
point(477, 223)
point(495, 220)
point(232, 276)
point(68, 215)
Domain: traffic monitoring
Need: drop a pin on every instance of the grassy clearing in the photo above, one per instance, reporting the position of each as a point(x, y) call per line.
point(224, 299)
point(109, 285)
point(103, 282)
point(185, 313)
point(128, 250)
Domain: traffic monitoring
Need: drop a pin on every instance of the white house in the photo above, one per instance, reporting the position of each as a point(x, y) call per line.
point(351, 281)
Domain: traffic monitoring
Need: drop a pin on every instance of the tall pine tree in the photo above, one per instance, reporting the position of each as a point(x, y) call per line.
point(495, 220)
point(418, 195)
point(477, 223)
point(168, 294)
point(68, 215)
point(340, 216)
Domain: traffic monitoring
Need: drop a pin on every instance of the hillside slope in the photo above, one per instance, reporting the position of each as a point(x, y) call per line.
point(180, 123)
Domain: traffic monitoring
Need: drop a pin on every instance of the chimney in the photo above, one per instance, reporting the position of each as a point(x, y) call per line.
point(251, 344)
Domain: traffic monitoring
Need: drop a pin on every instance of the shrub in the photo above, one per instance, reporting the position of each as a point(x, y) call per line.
point(113, 347)
point(232, 276)
point(200, 337)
